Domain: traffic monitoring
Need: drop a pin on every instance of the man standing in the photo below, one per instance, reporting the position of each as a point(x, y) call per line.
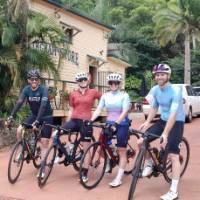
point(171, 125)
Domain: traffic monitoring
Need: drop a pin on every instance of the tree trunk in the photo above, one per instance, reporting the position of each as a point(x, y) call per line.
point(187, 70)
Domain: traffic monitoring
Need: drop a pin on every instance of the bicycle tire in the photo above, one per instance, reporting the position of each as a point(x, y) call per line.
point(47, 166)
point(37, 154)
point(184, 167)
point(131, 154)
point(136, 172)
point(78, 153)
point(98, 158)
point(20, 160)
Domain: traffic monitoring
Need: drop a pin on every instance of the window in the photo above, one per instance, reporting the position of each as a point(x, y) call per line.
point(70, 32)
point(190, 90)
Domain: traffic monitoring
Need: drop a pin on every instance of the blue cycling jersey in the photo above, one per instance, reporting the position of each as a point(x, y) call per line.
point(115, 103)
point(169, 99)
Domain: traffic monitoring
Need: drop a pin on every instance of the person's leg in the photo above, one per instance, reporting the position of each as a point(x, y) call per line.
point(122, 140)
point(45, 135)
point(69, 125)
point(86, 136)
point(156, 129)
point(174, 141)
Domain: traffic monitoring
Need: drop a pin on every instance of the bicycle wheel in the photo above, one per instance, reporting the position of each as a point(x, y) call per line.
point(37, 159)
point(136, 172)
point(16, 162)
point(94, 161)
point(131, 153)
point(77, 153)
point(47, 165)
point(183, 157)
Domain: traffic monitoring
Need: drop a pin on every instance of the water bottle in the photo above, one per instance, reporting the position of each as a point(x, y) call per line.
point(71, 147)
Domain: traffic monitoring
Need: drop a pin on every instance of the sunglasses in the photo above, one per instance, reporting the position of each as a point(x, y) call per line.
point(82, 79)
point(34, 79)
point(113, 82)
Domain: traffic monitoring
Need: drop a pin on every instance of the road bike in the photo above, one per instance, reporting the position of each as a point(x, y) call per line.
point(97, 154)
point(71, 152)
point(26, 149)
point(161, 162)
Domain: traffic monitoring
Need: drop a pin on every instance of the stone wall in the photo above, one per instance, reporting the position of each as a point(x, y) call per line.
point(7, 136)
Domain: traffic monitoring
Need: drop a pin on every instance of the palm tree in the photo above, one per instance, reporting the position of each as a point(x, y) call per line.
point(176, 17)
point(19, 28)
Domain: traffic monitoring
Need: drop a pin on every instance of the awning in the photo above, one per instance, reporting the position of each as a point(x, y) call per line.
point(93, 59)
point(67, 26)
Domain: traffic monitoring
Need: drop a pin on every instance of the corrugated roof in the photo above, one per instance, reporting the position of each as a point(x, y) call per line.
point(78, 13)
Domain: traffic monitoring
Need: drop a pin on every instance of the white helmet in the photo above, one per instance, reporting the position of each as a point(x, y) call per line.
point(81, 75)
point(114, 77)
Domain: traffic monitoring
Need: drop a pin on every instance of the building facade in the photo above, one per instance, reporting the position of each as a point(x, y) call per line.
point(87, 52)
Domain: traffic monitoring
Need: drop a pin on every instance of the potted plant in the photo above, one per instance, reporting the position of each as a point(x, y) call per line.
point(52, 91)
point(66, 95)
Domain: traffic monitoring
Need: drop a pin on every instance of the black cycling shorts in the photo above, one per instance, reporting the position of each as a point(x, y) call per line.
point(77, 125)
point(174, 137)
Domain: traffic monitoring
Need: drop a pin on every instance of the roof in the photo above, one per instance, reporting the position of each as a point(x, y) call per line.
point(118, 59)
point(78, 13)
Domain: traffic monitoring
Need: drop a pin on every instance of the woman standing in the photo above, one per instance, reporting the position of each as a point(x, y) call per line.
point(81, 102)
point(117, 104)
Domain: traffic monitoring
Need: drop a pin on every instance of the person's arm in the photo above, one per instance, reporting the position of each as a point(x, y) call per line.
point(99, 108)
point(152, 113)
point(125, 108)
point(98, 95)
point(19, 103)
point(43, 104)
point(70, 113)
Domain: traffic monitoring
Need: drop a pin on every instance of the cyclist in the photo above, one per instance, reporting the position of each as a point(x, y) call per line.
point(37, 97)
point(170, 127)
point(117, 104)
point(81, 102)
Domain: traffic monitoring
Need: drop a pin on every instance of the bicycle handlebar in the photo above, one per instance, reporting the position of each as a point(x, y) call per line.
point(26, 125)
point(144, 134)
point(58, 128)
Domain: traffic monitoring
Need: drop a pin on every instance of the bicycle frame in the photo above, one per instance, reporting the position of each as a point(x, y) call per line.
point(25, 142)
point(108, 149)
point(58, 144)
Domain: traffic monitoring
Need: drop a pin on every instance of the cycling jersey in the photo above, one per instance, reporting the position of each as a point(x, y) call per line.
point(82, 103)
point(115, 103)
point(169, 99)
point(37, 100)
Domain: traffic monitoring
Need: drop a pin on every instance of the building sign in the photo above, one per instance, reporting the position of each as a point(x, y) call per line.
point(70, 55)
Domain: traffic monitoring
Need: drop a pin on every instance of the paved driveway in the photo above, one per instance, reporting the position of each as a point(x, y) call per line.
point(63, 183)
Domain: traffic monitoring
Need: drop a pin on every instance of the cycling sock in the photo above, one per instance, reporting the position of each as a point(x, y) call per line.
point(120, 174)
point(174, 185)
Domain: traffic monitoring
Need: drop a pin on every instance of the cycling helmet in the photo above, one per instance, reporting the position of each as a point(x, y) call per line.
point(162, 68)
point(33, 73)
point(81, 75)
point(114, 77)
